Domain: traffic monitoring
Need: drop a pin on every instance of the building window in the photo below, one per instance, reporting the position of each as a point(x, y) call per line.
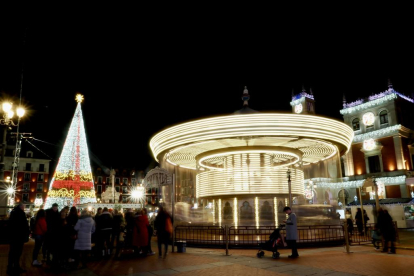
point(39, 187)
point(27, 177)
point(125, 181)
point(384, 117)
point(25, 197)
point(29, 154)
point(39, 196)
point(117, 188)
point(374, 164)
point(26, 187)
point(41, 167)
point(99, 179)
point(133, 181)
point(107, 180)
point(29, 167)
point(99, 189)
point(124, 190)
point(124, 199)
point(117, 181)
point(355, 124)
point(40, 177)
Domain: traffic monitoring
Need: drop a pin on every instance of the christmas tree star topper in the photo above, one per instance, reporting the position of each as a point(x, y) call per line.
point(79, 98)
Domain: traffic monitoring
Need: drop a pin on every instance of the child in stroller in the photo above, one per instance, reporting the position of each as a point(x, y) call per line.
point(275, 239)
point(376, 238)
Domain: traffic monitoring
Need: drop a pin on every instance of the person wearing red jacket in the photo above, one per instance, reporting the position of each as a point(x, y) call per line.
point(39, 234)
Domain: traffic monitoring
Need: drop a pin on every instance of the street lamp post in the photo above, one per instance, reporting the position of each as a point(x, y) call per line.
point(290, 187)
point(6, 122)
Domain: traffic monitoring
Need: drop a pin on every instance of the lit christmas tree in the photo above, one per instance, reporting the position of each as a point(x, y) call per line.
point(72, 182)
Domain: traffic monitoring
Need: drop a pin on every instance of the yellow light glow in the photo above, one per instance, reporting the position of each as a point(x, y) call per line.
point(79, 98)
point(214, 211)
point(242, 182)
point(10, 114)
point(256, 211)
point(275, 210)
point(7, 107)
point(286, 204)
point(219, 211)
point(20, 112)
point(235, 208)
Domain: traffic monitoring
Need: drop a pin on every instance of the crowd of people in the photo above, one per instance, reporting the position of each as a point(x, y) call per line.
point(69, 237)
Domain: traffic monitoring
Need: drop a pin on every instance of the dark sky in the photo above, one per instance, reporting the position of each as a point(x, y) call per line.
point(138, 78)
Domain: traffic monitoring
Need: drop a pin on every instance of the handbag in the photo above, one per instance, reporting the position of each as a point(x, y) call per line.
point(168, 226)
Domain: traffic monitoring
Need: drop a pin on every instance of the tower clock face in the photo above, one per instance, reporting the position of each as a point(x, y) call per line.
point(368, 118)
point(298, 108)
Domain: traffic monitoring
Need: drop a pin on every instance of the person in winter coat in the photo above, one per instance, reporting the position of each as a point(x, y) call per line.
point(19, 235)
point(359, 222)
point(140, 233)
point(118, 223)
point(85, 226)
point(387, 229)
point(103, 232)
point(163, 235)
point(53, 221)
point(71, 220)
point(150, 233)
point(291, 231)
point(39, 233)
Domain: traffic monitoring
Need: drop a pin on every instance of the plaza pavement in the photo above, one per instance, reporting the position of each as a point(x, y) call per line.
point(330, 261)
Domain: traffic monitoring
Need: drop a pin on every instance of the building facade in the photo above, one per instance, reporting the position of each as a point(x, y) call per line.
point(124, 180)
point(33, 174)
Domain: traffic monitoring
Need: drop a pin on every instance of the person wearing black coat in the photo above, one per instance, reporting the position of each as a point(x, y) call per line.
point(104, 224)
point(52, 239)
point(19, 235)
point(387, 229)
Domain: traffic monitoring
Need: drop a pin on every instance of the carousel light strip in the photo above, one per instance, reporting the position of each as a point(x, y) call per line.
point(275, 211)
point(256, 210)
point(377, 133)
point(235, 208)
point(247, 151)
point(219, 211)
point(369, 104)
point(240, 182)
point(313, 150)
point(358, 183)
point(252, 125)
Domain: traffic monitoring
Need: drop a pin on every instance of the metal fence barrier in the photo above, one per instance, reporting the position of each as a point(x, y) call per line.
point(208, 236)
point(253, 236)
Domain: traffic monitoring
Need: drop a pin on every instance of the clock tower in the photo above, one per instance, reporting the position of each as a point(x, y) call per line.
point(303, 103)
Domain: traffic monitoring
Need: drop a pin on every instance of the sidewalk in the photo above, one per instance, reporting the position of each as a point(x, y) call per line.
point(332, 261)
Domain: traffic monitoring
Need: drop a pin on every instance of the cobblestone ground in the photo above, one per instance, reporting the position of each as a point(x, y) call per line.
point(332, 261)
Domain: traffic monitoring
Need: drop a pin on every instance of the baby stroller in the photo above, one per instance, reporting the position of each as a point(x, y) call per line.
point(376, 238)
point(275, 240)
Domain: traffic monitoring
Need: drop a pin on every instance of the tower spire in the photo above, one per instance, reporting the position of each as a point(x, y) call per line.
point(245, 96)
point(389, 84)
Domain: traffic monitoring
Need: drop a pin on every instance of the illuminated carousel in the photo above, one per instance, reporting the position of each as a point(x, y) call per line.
point(242, 162)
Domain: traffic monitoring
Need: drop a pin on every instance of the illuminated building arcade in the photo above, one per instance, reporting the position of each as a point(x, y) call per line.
point(241, 161)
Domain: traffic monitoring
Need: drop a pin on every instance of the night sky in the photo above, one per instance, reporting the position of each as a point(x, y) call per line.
point(139, 79)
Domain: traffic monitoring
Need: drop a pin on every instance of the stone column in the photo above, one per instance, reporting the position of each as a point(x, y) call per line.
point(399, 157)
